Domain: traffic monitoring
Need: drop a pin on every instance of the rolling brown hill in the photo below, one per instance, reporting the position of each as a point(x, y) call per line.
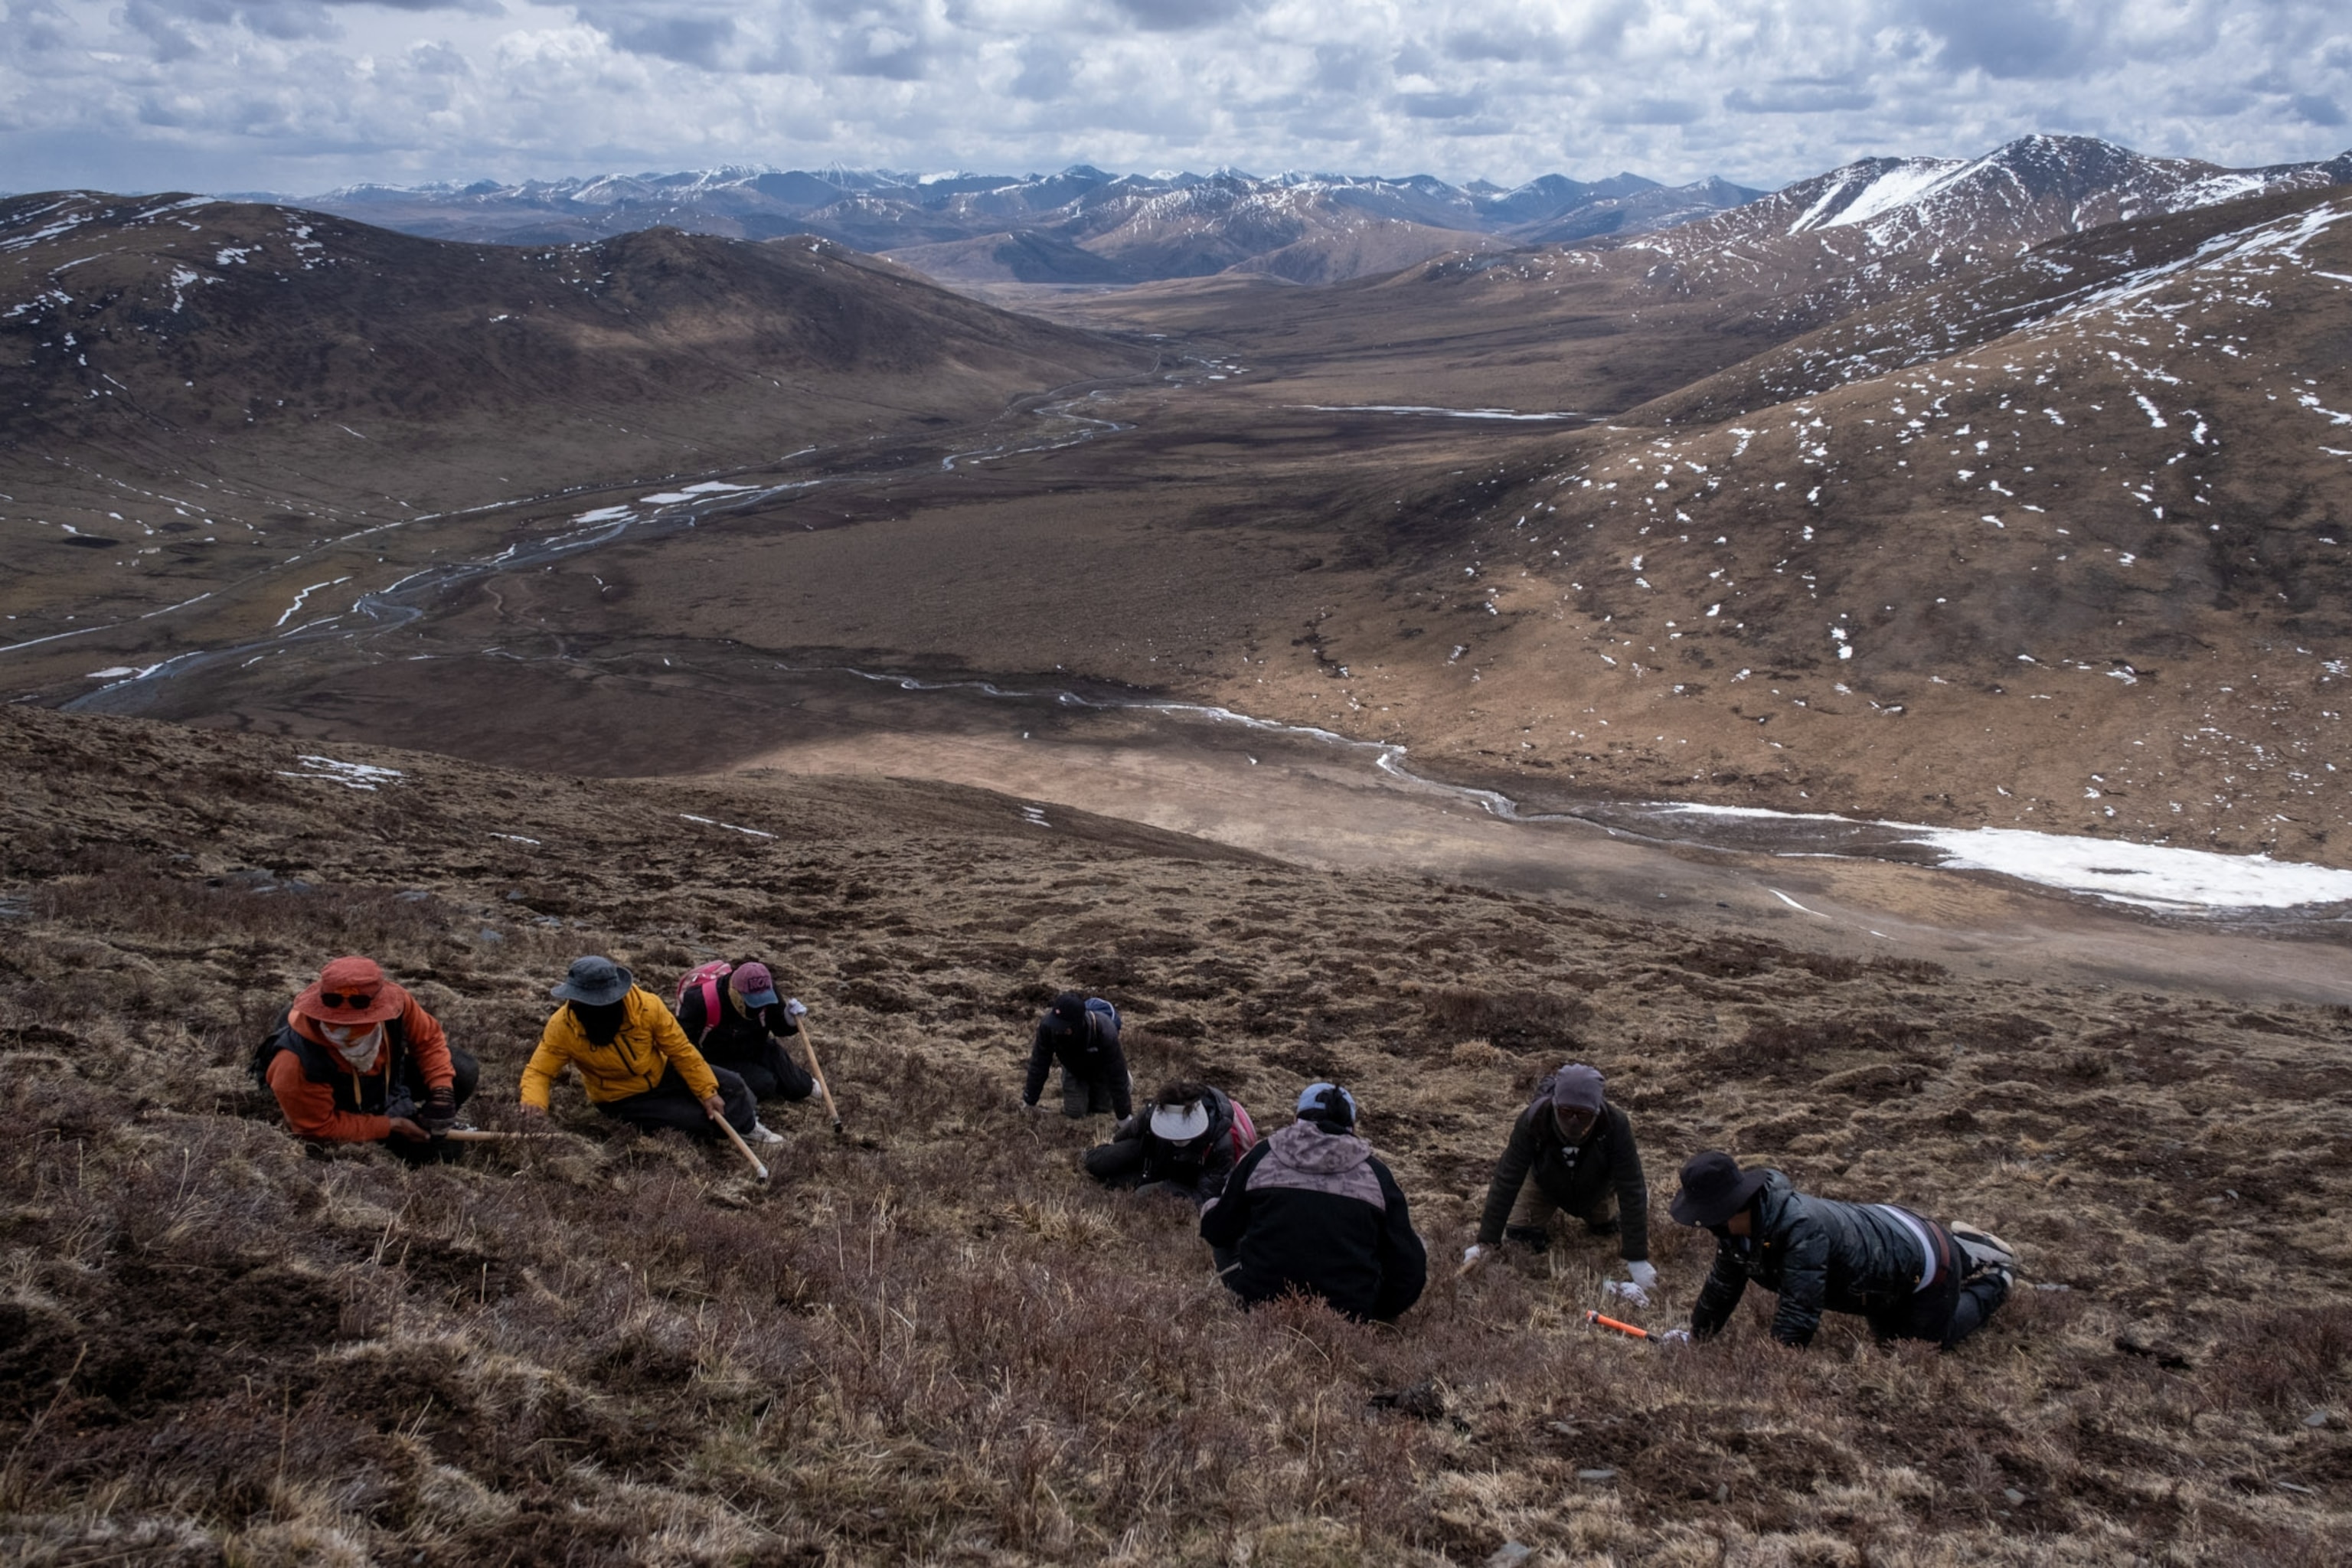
point(193, 391)
point(1602, 324)
point(2061, 547)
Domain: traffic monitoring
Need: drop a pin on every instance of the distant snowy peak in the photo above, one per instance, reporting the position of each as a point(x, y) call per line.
point(2029, 189)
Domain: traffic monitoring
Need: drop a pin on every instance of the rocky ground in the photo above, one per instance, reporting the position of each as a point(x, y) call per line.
point(932, 1339)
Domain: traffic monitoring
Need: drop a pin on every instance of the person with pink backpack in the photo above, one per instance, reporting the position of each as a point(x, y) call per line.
point(735, 1017)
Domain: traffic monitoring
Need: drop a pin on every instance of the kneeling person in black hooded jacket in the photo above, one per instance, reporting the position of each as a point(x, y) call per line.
point(1908, 1276)
point(1081, 1032)
point(1311, 1209)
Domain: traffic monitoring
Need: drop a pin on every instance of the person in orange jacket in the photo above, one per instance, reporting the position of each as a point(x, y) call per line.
point(356, 1059)
point(635, 1061)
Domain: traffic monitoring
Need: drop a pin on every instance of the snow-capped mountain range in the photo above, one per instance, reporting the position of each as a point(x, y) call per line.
point(1081, 225)
point(1086, 226)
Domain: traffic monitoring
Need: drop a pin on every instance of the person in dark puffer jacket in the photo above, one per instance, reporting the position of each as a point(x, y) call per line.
point(1910, 1278)
point(1312, 1210)
point(1180, 1143)
point(1081, 1032)
point(1579, 1150)
point(747, 1035)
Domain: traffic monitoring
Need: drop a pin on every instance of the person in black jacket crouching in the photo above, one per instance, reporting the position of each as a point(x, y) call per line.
point(1081, 1032)
point(1569, 1151)
point(1312, 1210)
point(1908, 1276)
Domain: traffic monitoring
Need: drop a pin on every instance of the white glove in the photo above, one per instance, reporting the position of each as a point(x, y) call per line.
point(795, 1008)
point(1643, 1274)
point(1673, 1337)
point(1471, 1253)
point(1627, 1290)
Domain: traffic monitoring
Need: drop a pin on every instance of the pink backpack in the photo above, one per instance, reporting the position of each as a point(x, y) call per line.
point(1244, 1129)
point(707, 978)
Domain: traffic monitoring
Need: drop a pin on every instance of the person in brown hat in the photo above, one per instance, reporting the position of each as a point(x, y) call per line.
point(1908, 1276)
point(357, 1060)
point(1580, 1150)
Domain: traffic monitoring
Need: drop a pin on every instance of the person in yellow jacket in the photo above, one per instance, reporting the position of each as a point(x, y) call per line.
point(636, 1063)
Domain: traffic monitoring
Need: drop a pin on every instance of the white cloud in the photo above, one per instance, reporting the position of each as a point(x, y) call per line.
point(302, 94)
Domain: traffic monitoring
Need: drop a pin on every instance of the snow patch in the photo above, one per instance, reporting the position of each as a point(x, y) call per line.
point(351, 775)
point(2151, 875)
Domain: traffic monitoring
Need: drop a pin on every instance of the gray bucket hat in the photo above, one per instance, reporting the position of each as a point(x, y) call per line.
point(594, 983)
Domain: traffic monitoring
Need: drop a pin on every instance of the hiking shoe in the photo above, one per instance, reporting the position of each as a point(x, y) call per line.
point(764, 1134)
point(1984, 1249)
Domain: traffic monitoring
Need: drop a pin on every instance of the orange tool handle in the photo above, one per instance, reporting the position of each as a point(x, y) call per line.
point(1626, 1328)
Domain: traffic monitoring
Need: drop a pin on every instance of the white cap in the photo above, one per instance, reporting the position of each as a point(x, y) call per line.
point(1179, 1123)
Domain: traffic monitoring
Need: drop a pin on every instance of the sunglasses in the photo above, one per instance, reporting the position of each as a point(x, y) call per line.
point(354, 1000)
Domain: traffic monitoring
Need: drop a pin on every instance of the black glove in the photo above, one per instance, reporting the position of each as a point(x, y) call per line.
point(399, 1104)
point(440, 1112)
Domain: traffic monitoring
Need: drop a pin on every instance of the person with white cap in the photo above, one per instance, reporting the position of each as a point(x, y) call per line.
point(1570, 1151)
point(1185, 1143)
point(1311, 1210)
point(736, 1018)
point(1908, 1276)
point(635, 1061)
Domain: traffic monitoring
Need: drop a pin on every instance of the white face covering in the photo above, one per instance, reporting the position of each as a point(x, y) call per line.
point(357, 1044)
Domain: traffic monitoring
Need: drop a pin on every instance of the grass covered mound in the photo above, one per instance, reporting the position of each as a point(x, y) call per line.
point(934, 1339)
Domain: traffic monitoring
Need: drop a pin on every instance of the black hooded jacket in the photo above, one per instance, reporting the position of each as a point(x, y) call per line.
point(1090, 1055)
point(1202, 1166)
point(1575, 1176)
point(1316, 1211)
point(1819, 1254)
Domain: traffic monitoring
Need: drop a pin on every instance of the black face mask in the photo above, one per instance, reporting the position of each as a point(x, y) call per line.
point(601, 1024)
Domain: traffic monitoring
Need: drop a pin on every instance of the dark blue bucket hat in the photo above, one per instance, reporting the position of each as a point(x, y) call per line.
point(594, 983)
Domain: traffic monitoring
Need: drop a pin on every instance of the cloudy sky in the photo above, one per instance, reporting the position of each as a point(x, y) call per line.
point(299, 96)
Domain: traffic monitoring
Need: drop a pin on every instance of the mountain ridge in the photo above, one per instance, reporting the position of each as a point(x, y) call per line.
point(1125, 219)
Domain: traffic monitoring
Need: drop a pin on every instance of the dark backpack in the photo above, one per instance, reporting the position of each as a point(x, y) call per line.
point(266, 1051)
point(284, 1039)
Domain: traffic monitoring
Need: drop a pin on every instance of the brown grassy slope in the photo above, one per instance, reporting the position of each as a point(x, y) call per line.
point(2091, 575)
point(200, 388)
point(936, 1342)
point(1580, 331)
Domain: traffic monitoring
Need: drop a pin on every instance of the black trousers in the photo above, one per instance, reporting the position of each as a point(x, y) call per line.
point(1950, 1309)
point(769, 1070)
point(1117, 1163)
point(671, 1104)
point(1120, 1163)
point(1085, 1097)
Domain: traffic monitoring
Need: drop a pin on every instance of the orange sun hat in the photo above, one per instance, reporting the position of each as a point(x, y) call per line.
point(351, 991)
